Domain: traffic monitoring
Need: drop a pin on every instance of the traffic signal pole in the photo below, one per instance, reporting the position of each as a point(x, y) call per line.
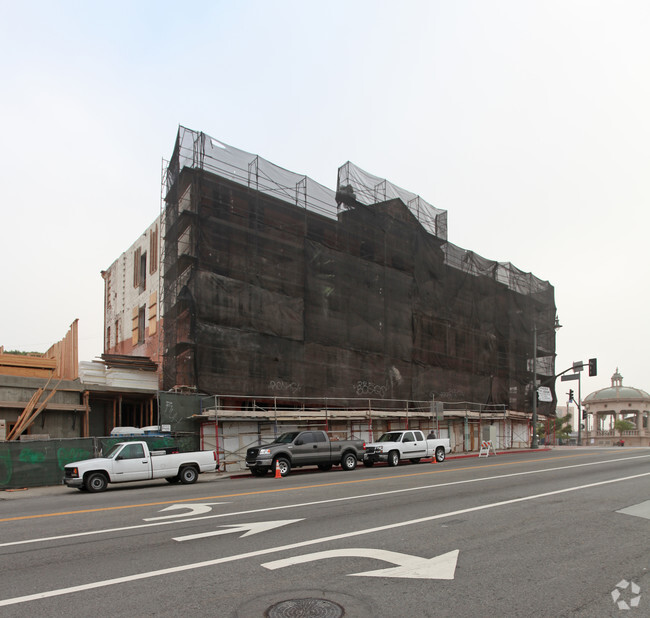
point(579, 411)
point(576, 368)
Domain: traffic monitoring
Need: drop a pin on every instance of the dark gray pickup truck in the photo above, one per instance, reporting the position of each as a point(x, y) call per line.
point(304, 448)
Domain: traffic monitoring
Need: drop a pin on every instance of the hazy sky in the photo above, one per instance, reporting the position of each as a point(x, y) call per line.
point(529, 122)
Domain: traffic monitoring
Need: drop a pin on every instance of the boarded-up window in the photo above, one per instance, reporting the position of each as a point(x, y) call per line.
point(141, 323)
point(137, 254)
point(138, 325)
point(153, 314)
point(135, 336)
point(143, 271)
point(139, 269)
point(153, 250)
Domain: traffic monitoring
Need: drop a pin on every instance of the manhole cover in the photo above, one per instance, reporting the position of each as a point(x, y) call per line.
point(305, 608)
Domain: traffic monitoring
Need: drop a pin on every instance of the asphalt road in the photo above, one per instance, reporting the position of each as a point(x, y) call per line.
point(555, 533)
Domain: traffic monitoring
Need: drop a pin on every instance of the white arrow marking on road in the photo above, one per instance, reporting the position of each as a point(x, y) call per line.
point(254, 528)
point(439, 567)
point(195, 509)
point(269, 550)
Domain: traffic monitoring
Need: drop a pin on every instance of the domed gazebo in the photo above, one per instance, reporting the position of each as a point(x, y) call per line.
point(617, 402)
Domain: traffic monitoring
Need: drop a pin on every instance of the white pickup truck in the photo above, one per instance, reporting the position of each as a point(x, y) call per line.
point(133, 461)
point(407, 444)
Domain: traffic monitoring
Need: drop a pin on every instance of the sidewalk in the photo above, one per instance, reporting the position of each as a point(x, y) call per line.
point(541, 449)
point(53, 490)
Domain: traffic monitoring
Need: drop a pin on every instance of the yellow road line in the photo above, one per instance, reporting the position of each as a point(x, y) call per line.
point(282, 489)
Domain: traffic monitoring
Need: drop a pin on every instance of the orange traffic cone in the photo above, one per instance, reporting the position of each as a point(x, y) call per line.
point(278, 475)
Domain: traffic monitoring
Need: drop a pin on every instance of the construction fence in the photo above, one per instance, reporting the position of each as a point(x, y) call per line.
point(38, 463)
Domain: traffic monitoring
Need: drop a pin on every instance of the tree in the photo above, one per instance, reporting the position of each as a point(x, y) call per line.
point(620, 425)
point(560, 425)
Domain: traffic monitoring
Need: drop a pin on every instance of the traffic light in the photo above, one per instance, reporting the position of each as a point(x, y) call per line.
point(593, 366)
point(570, 394)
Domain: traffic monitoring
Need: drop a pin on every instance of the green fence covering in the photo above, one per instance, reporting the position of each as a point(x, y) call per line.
point(40, 462)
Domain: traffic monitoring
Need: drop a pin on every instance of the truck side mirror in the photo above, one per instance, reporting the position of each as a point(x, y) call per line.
point(298, 442)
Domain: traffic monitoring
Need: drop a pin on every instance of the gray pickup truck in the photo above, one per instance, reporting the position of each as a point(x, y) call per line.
point(304, 448)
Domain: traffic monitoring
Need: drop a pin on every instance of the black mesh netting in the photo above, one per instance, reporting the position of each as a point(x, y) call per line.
point(265, 293)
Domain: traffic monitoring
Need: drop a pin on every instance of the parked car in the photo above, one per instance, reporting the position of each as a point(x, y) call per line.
point(304, 448)
point(407, 444)
point(133, 461)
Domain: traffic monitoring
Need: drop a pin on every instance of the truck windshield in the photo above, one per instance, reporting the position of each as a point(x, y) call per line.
point(111, 451)
point(390, 437)
point(286, 438)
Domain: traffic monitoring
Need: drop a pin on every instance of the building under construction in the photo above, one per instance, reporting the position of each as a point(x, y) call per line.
point(274, 286)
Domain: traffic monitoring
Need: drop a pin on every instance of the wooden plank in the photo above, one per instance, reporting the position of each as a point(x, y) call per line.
point(15, 430)
point(32, 417)
point(18, 360)
point(63, 407)
point(25, 372)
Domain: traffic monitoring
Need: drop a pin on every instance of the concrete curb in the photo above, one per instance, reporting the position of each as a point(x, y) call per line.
point(210, 477)
point(244, 474)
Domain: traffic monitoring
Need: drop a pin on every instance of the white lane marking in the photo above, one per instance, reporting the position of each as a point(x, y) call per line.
point(409, 567)
point(317, 502)
point(252, 528)
point(198, 508)
point(638, 510)
point(271, 550)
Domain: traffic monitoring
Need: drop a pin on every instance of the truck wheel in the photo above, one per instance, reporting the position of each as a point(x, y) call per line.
point(284, 464)
point(325, 467)
point(349, 461)
point(440, 454)
point(368, 463)
point(415, 460)
point(393, 458)
point(188, 475)
point(259, 471)
point(172, 479)
point(96, 482)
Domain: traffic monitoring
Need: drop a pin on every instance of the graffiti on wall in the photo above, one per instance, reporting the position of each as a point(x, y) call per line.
point(282, 386)
point(39, 463)
point(363, 387)
point(5, 467)
point(36, 463)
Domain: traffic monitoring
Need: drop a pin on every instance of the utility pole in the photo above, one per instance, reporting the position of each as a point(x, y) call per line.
point(534, 442)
